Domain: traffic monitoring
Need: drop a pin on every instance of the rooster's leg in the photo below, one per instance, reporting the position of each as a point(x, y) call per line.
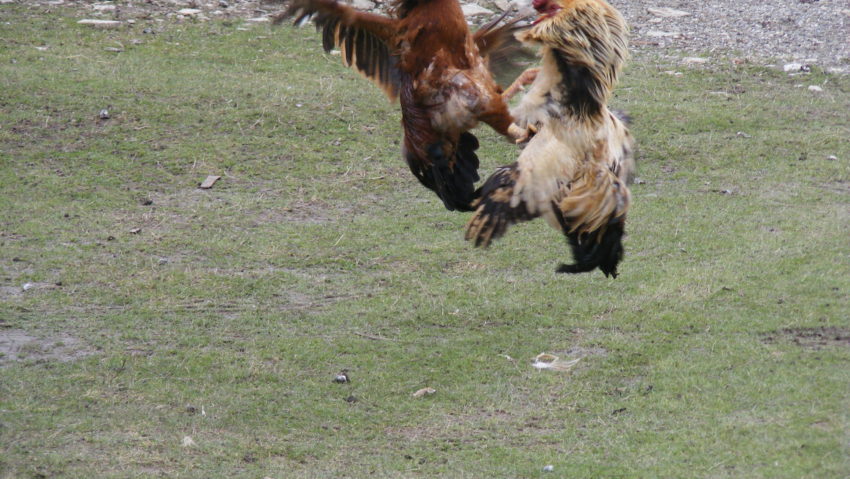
point(526, 78)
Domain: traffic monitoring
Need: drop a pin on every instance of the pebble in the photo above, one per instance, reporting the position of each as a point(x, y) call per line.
point(188, 11)
point(363, 4)
point(104, 114)
point(548, 468)
point(424, 392)
point(815, 88)
point(503, 5)
point(471, 10)
point(832, 158)
point(666, 12)
point(100, 23)
point(661, 34)
point(694, 60)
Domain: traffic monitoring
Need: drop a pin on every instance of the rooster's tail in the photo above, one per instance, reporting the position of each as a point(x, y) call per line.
point(593, 217)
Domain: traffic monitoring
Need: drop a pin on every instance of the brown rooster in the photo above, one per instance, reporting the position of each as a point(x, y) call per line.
point(425, 56)
point(574, 171)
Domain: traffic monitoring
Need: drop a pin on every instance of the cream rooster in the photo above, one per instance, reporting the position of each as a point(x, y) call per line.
point(574, 171)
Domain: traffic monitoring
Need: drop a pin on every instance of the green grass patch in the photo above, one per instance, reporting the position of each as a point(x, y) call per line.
point(223, 315)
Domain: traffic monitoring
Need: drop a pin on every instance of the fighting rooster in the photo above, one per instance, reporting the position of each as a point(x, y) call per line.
point(425, 56)
point(574, 171)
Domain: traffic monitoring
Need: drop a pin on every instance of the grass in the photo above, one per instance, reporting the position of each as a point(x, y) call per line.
point(721, 351)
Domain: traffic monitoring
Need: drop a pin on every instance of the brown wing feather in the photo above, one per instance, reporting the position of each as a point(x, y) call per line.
point(365, 40)
point(506, 56)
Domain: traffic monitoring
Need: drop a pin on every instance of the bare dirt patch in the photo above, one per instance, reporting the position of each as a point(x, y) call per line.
point(18, 345)
point(812, 338)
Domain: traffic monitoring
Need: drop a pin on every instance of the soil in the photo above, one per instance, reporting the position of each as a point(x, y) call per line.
point(17, 345)
point(813, 338)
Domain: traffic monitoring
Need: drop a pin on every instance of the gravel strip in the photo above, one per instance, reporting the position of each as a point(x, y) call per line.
point(813, 32)
point(810, 32)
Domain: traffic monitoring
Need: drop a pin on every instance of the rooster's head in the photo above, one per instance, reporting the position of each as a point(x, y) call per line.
point(546, 8)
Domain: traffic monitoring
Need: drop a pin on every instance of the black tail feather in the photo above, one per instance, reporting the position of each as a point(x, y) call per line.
point(591, 251)
point(454, 181)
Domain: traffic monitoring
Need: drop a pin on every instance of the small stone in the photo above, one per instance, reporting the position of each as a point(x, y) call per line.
point(342, 377)
point(743, 135)
point(188, 442)
point(223, 4)
point(188, 11)
point(472, 10)
point(100, 23)
point(661, 34)
point(548, 468)
point(149, 31)
point(424, 392)
point(667, 12)
point(103, 114)
point(694, 60)
point(503, 5)
point(103, 7)
point(832, 158)
point(363, 4)
point(796, 67)
point(640, 181)
point(208, 182)
point(815, 88)
point(135, 231)
point(259, 19)
point(351, 399)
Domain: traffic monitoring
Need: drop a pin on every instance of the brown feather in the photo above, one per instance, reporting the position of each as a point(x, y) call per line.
point(425, 56)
